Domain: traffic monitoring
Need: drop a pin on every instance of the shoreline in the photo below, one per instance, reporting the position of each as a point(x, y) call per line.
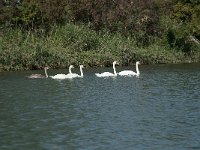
point(100, 66)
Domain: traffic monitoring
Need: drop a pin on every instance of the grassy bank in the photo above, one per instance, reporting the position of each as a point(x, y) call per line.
point(77, 44)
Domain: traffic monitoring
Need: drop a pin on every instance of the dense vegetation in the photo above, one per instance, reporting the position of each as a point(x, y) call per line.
point(56, 33)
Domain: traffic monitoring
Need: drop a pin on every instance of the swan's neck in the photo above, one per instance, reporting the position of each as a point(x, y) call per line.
point(46, 75)
point(81, 70)
point(115, 73)
point(137, 69)
point(70, 70)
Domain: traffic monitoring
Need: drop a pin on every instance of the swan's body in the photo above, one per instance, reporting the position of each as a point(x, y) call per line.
point(74, 75)
point(63, 76)
point(130, 72)
point(108, 74)
point(59, 76)
point(35, 76)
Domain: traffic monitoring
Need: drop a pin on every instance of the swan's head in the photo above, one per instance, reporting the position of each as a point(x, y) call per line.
point(115, 62)
point(137, 63)
point(81, 66)
point(46, 68)
point(71, 66)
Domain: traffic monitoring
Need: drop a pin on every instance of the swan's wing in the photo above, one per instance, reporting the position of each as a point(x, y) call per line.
point(127, 73)
point(59, 76)
point(97, 74)
point(104, 74)
point(72, 75)
point(34, 76)
point(69, 76)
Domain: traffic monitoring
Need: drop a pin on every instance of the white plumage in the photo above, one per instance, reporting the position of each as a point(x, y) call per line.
point(63, 76)
point(130, 72)
point(108, 74)
point(74, 75)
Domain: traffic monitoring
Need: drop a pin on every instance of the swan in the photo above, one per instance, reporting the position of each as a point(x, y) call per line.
point(108, 74)
point(63, 76)
point(74, 75)
point(130, 72)
point(34, 76)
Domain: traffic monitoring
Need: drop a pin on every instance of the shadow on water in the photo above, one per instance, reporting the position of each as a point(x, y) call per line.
point(158, 110)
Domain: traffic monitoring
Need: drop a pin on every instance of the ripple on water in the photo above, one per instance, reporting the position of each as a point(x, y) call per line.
point(158, 110)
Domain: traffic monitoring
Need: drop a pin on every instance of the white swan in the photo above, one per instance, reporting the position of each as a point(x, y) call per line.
point(130, 72)
point(108, 74)
point(34, 76)
point(74, 75)
point(63, 76)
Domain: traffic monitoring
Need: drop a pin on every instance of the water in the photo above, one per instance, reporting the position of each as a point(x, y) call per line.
point(158, 110)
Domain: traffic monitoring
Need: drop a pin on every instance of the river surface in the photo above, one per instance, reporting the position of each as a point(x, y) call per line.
point(160, 110)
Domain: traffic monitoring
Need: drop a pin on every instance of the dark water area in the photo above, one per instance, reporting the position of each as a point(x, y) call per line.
point(158, 110)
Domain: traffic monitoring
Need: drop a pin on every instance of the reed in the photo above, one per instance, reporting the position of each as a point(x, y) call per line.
point(77, 44)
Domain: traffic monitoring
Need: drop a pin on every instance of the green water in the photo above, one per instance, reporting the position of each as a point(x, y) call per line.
point(158, 110)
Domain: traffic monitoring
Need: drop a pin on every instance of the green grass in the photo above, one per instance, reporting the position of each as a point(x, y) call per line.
point(77, 44)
